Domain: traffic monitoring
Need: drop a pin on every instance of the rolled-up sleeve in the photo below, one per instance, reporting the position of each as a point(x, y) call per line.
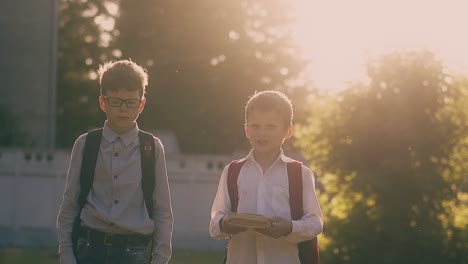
point(69, 207)
point(162, 209)
point(311, 224)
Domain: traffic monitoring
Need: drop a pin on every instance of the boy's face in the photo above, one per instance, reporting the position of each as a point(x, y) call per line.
point(266, 131)
point(122, 108)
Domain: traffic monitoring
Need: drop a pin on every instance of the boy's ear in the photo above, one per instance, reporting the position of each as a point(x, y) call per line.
point(102, 103)
point(142, 105)
point(289, 132)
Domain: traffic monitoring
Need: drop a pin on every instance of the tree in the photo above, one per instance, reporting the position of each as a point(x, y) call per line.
point(389, 156)
point(86, 33)
point(204, 58)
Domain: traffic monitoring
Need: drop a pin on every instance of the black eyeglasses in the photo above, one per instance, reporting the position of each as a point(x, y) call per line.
point(117, 102)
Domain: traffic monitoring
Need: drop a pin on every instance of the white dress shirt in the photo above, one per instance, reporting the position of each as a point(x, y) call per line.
point(115, 203)
point(266, 194)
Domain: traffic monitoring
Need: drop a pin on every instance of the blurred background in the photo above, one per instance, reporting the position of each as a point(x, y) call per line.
point(380, 90)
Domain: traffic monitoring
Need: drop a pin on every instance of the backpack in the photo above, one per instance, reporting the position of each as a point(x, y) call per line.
point(308, 250)
point(88, 166)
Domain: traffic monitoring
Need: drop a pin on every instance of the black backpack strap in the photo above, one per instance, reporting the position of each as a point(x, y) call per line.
point(148, 161)
point(88, 165)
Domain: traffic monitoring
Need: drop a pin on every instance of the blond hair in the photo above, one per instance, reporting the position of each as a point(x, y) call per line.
point(270, 101)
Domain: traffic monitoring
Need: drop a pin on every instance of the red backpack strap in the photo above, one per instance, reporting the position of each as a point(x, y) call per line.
point(233, 175)
point(308, 250)
point(295, 189)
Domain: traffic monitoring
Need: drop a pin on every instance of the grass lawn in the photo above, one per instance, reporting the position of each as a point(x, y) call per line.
point(49, 256)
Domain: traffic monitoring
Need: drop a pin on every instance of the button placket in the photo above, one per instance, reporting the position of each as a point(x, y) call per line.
point(114, 169)
point(261, 191)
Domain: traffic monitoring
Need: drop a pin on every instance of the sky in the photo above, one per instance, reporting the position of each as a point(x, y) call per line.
point(338, 37)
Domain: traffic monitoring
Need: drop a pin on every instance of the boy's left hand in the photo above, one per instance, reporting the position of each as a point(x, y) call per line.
point(280, 227)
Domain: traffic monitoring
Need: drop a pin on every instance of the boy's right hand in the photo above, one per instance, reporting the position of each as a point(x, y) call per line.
point(228, 228)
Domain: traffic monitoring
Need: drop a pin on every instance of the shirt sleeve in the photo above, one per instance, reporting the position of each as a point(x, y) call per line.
point(69, 207)
point(162, 209)
point(311, 224)
point(221, 207)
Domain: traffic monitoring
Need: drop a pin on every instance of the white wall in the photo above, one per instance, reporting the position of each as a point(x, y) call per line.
point(31, 187)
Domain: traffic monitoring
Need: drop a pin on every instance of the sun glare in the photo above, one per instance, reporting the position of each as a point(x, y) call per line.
point(338, 37)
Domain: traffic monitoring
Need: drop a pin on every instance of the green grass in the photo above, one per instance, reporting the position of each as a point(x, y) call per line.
point(20, 256)
point(49, 256)
point(196, 257)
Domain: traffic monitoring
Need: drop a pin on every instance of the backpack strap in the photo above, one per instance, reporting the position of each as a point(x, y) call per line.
point(233, 175)
point(308, 250)
point(148, 161)
point(88, 165)
point(295, 189)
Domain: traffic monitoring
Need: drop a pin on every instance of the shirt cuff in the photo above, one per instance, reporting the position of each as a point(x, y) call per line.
point(216, 228)
point(296, 228)
point(161, 254)
point(67, 257)
point(160, 260)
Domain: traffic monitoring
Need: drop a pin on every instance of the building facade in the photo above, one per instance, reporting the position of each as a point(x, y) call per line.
point(28, 47)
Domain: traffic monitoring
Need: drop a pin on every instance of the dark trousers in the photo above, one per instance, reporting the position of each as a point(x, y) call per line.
point(94, 247)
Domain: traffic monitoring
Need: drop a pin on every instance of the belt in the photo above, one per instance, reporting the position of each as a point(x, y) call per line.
point(98, 237)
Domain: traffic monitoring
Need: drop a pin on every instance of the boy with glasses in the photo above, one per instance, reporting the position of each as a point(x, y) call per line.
point(115, 222)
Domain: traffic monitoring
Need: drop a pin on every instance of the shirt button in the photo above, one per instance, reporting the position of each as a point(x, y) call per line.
point(116, 154)
point(116, 201)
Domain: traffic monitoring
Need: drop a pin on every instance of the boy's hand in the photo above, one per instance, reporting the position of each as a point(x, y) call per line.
point(280, 227)
point(226, 226)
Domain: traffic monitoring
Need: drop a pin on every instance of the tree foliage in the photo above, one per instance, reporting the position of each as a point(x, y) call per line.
point(84, 43)
point(391, 157)
point(204, 59)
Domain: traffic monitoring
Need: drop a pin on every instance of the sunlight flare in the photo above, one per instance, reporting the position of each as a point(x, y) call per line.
point(339, 37)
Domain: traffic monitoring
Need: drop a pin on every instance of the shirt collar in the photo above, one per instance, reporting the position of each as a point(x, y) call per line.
point(281, 157)
point(127, 138)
